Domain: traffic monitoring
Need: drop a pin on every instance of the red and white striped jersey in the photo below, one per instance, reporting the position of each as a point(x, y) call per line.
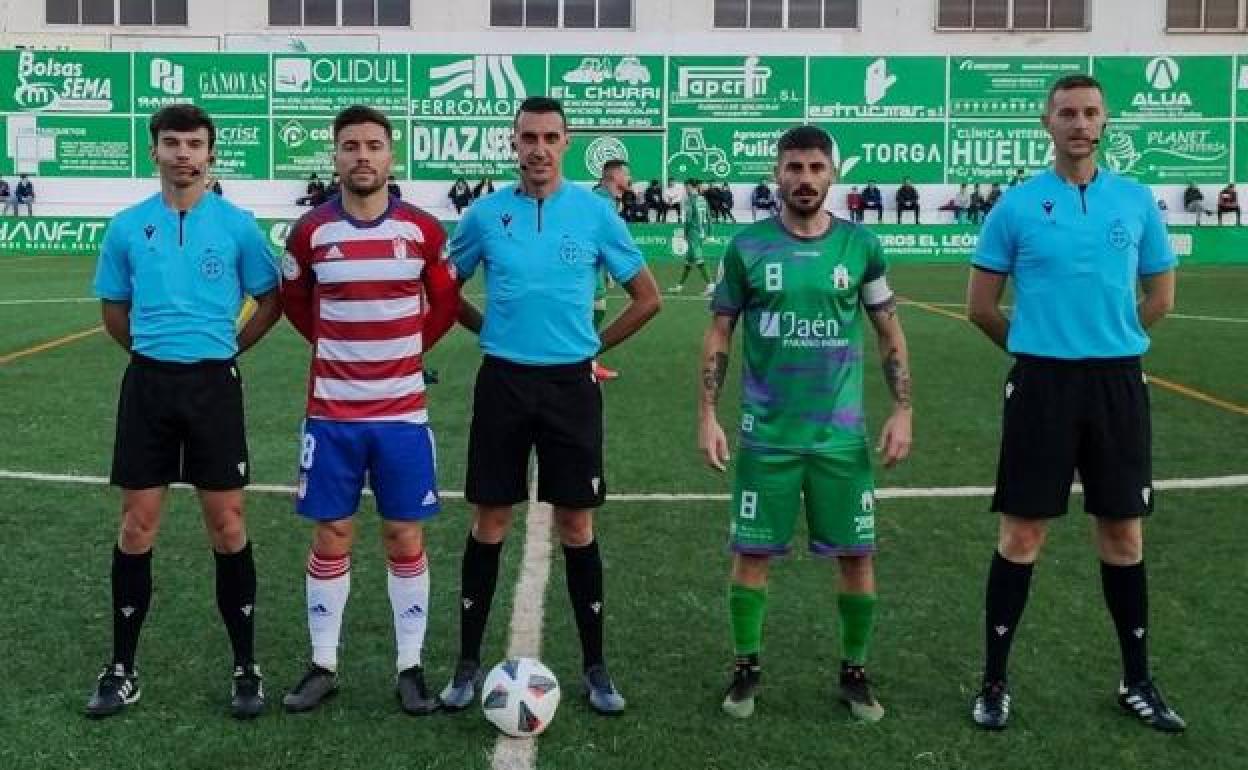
point(371, 297)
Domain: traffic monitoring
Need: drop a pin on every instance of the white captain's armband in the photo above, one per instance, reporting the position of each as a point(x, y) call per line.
point(876, 294)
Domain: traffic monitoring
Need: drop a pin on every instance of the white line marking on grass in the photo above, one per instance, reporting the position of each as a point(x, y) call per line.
point(527, 611)
point(54, 301)
point(899, 493)
point(1218, 319)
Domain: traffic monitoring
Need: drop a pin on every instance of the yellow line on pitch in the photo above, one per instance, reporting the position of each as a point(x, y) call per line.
point(932, 309)
point(56, 343)
point(1176, 387)
point(1198, 395)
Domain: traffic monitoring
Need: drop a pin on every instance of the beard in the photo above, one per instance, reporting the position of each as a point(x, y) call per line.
point(363, 190)
point(791, 202)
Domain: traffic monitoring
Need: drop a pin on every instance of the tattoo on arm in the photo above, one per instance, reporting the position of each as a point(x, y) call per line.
point(713, 376)
point(885, 311)
point(897, 375)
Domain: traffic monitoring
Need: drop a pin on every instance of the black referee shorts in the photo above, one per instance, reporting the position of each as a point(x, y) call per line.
point(555, 409)
point(1090, 415)
point(180, 422)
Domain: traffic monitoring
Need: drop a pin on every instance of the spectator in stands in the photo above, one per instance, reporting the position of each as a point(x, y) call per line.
point(853, 202)
point(762, 199)
point(460, 195)
point(907, 200)
point(1228, 201)
point(873, 200)
point(673, 197)
point(962, 203)
point(979, 205)
point(1194, 201)
point(1019, 177)
point(632, 206)
point(392, 187)
point(334, 185)
point(314, 193)
point(726, 202)
point(484, 187)
point(24, 193)
point(5, 193)
point(994, 195)
point(652, 200)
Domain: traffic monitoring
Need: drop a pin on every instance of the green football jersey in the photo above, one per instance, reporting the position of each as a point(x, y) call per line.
point(697, 217)
point(803, 315)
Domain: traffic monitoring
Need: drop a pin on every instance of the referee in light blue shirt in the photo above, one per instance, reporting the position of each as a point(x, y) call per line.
point(1075, 241)
point(540, 245)
point(173, 273)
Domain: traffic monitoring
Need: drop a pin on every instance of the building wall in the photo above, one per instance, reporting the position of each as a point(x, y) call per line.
point(661, 26)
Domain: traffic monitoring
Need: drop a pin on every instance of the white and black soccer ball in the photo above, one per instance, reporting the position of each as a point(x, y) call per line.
point(520, 696)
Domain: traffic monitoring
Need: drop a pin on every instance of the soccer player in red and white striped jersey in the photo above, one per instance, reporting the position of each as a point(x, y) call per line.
point(366, 282)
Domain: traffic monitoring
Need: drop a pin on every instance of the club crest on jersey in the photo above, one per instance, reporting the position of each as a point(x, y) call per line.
point(149, 231)
point(400, 248)
point(290, 266)
point(840, 278)
point(1119, 235)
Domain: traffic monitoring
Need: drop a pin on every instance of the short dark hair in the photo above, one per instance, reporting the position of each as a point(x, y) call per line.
point(1071, 82)
point(181, 117)
point(358, 114)
point(541, 104)
point(805, 138)
point(612, 165)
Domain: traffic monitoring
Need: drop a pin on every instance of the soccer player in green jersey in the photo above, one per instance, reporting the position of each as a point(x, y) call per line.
point(612, 183)
point(803, 282)
point(697, 228)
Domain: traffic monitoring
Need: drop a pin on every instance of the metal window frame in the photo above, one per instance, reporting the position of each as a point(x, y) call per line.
point(560, 22)
point(784, 19)
point(116, 22)
point(1010, 25)
point(1204, 28)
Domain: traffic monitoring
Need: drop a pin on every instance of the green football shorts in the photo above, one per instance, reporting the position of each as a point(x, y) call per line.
point(839, 494)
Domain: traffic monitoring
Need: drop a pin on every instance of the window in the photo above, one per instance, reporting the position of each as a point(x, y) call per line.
point(347, 13)
point(1207, 15)
point(129, 12)
point(1011, 14)
point(786, 14)
point(572, 14)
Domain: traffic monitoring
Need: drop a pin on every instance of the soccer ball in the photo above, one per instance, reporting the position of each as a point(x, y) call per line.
point(520, 696)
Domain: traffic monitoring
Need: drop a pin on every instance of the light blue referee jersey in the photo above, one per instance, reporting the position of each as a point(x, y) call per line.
point(540, 258)
point(185, 275)
point(1074, 254)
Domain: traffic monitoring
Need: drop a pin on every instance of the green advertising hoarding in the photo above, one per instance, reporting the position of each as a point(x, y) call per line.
point(242, 150)
point(746, 86)
point(223, 84)
point(1167, 87)
point(75, 145)
point(1241, 86)
point(889, 152)
point(588, 152)
point(877, 87)
point(474, 86)
point(64, 81)
point(733, 152)
point(470, 149)
point(600, 91)
point(323, 84)
point(1241, 151)
point(1005, 86)
point(990, 150)
point(303, 146)
point(1169, 152)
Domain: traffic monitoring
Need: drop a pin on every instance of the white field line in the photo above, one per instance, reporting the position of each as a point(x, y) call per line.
point(896, 493)
point(53, 301)
point(1180, 316)
point(527, 612)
